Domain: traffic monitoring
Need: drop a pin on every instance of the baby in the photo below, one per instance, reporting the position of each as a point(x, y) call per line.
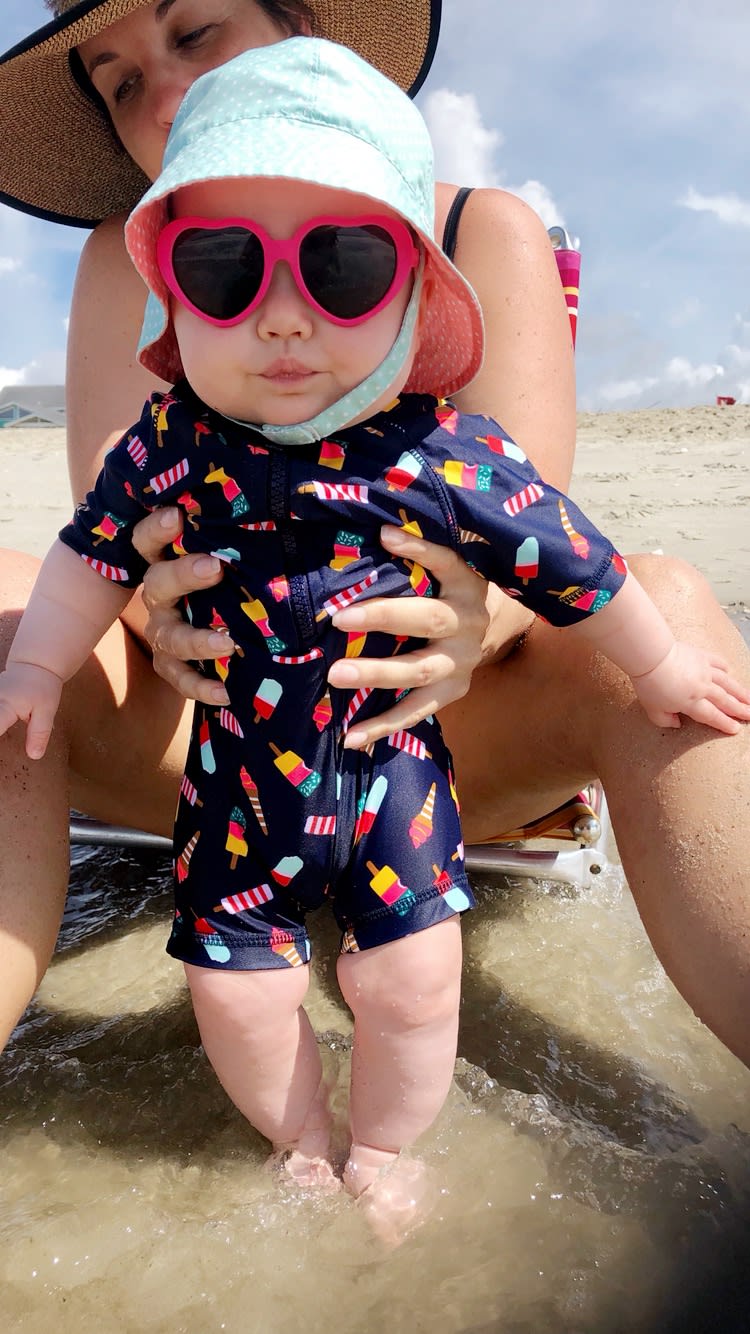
point(313, 331)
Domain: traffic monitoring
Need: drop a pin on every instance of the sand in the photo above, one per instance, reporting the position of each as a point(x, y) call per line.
point(667, 479)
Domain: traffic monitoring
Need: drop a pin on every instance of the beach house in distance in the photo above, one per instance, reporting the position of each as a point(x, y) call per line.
point(32, 405)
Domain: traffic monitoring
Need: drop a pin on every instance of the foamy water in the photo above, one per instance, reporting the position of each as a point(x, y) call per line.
point(596, 1139)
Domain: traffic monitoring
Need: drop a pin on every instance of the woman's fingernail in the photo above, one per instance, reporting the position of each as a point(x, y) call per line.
point(221, 641)
point(351, 619)
point(353, 740)
point(206, 565)
point(168, 517)
point(220, 695)
point(343, 674)
point(396, 536)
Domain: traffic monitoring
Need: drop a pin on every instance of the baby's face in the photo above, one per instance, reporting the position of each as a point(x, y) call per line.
point(285, 362)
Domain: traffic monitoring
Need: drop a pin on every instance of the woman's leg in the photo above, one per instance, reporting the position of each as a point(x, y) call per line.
point(405, 998)
point(116, 753)
point(679, 800)
point(265, 1055)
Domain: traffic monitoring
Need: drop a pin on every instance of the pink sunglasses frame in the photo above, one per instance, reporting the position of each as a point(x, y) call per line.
point(407, 259)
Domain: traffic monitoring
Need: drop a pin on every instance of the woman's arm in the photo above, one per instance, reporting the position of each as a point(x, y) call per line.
point(527, 382)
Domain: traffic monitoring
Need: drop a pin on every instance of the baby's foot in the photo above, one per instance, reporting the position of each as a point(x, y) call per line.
point(311, 1173)
point(396, 1194)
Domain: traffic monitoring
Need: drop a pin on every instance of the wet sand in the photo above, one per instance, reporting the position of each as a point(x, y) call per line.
point(594, 1154)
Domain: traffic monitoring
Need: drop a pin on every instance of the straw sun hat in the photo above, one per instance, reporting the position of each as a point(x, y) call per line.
point(59, 157)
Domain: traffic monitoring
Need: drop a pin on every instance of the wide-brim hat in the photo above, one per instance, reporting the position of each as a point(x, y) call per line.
point(313, 111)
point(59, 156)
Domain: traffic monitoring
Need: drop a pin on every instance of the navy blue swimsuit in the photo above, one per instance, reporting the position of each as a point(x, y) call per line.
point(275, 816)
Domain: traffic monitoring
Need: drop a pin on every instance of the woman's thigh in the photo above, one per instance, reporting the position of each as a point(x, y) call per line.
point(553, 715)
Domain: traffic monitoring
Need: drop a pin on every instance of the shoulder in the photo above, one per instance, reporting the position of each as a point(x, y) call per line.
point(491, 217)
point(105, 244)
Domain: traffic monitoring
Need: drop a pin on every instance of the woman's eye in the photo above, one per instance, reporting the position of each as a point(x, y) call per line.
point(124, 89)
point(193, 37)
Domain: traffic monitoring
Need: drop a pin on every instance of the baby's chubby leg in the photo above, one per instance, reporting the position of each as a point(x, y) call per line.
point(405, 997)
point(263, 1050)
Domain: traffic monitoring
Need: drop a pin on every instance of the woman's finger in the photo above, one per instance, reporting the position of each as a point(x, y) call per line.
point(419, 618)
point(409, 711)
point(187, 681)
point(423, 667)
point(169, 580)
point(156, 531)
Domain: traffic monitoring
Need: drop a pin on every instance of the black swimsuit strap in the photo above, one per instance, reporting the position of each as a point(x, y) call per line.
point(450, 234)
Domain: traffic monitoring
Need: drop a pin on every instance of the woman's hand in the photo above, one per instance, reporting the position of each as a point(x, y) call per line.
point(173, 642)
point(455, 624)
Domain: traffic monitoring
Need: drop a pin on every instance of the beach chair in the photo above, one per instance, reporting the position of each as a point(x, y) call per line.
point(567, 845)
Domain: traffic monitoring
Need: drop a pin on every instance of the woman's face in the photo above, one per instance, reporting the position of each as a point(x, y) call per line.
point(143, 65)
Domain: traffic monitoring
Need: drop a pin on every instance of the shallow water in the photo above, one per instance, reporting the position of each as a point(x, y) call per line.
point(592, 1163)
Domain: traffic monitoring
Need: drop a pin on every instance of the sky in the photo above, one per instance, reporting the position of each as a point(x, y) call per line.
point(629, 125)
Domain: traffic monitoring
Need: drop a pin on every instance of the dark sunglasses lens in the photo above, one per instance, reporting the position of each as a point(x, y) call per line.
point(219, 270)
point(348, 270)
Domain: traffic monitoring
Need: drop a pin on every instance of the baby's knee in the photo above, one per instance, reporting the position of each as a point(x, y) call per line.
point(248, 1001)
point(673, 583)
point(409, 994)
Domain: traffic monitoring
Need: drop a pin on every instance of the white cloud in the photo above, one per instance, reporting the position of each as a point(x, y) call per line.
point(727, 208)
point(8, 264)
point(465, 151)
point(464, 147)
point(10, 377)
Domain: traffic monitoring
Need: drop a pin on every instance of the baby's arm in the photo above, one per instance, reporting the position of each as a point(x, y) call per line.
point(70, 608)
point(669, 677)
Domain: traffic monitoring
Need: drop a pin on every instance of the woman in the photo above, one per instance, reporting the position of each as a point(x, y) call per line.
point(679, 800)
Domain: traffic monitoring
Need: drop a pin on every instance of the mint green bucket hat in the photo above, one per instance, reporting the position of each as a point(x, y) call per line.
point(306, 109)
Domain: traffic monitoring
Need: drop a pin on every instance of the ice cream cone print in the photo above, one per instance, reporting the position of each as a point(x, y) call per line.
point(527, 560)
point(453, 791)
point(232, 492)
point(420, 828)
point(579, 544)
point(251, 791)
point(282, 943)
point(323, 712)
point(182, 865)
point(236, 843)
point(349, 942)
point(296, 771)
point(369, 805)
